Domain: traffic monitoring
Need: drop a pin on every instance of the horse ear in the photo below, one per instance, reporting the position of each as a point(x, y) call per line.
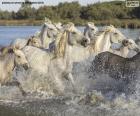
point(29, 40)
point(90, 24)
point(16, 47)
point(111, 25)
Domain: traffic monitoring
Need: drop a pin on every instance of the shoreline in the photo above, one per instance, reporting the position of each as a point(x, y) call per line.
point(123, 23)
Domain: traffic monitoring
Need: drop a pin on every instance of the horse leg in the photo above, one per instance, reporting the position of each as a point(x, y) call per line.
point(18, 84)
point(69, 77)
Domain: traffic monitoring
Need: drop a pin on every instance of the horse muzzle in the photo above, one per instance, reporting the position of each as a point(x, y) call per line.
point(137, 50)
point(26, 66)
point(85, 43)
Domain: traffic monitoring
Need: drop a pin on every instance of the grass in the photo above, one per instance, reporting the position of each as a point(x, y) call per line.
point(124, 23)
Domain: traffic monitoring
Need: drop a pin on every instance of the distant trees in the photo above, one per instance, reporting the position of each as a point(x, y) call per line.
point(45, 11)
point(5, 15)
point(136, 12)
point(74, 12)
point(26, 11)
point(69, 10)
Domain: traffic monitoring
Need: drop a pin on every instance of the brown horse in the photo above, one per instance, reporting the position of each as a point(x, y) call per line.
point(116, 66)
point(124, 70)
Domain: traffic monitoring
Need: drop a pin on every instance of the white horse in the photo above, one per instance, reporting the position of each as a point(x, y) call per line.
point(11, 58)
point(31, 41)
point(90, 30)
point(102, 42)
point(127, 45)
point(58, 64)
point(48, 34)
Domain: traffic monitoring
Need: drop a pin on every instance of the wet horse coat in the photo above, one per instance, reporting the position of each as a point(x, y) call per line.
point(8, 61)
point(116, 66)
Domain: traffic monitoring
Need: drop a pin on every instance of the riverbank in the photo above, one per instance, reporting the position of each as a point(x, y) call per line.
point(124, 23)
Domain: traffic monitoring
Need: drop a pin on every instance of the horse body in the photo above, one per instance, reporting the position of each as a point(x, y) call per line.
point(38, 58)
point(116, 66)
point(20, 42)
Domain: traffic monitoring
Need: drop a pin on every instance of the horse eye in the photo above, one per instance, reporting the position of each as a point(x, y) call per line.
point(51, 29)
point(18, 56)
point(115, 33)
point(73, 32)
point(92, 29)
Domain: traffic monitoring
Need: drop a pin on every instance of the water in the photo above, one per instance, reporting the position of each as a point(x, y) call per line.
point(9, 33)
point(88, 101)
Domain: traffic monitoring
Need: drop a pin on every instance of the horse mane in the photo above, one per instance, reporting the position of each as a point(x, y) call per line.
point(93, 43)
point(62, 43)
point(6, 51)
point(61, 46)
point(42, 30)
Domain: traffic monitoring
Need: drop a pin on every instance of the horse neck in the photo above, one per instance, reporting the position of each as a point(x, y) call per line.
point(67, 47)
point(59, 35)
point(136, 57)
point(102, 43)
point(124, 51)
point(10, 61)
point(43, 35)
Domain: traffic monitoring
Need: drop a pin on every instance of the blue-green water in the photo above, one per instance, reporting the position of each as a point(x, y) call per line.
point(9, 33)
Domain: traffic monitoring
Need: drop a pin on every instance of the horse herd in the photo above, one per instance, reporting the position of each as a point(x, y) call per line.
point(56, 47)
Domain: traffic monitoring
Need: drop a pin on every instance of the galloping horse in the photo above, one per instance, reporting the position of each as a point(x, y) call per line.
point(11, 58)
point(102, 42)
point(48, 34)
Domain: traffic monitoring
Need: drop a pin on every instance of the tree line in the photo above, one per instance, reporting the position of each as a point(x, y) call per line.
point(74, 12)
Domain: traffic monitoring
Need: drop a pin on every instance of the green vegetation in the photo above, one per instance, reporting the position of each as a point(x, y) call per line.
point(105, 13)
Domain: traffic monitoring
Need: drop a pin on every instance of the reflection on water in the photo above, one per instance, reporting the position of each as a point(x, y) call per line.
point(9, 33)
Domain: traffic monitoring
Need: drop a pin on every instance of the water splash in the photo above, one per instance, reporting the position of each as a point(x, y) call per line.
point(102, 95)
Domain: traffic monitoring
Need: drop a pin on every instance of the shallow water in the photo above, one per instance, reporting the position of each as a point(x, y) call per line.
point(9, 33)
point(101, 96)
